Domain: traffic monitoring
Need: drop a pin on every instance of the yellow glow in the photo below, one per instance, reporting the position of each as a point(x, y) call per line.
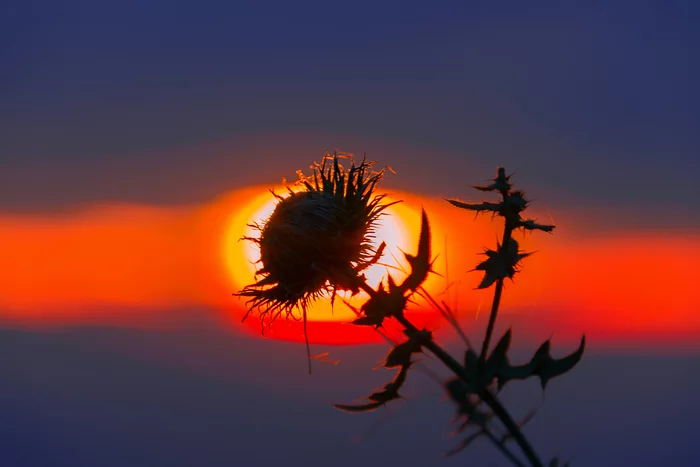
point(399, 228)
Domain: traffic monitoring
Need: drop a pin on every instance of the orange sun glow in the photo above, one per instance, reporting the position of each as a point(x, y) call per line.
point(399, 228)
point(127, 264)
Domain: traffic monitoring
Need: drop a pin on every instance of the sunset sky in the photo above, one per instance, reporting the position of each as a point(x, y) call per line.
point(137, 140)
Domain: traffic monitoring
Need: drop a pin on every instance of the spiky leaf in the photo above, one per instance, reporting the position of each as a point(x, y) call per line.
point(484, 206)
point(420, 264)
point(401, 354)
point(500, 183)
point(542, 365)
point(491, 187)
point(382, 304)
point(516, 202)
point(387, 394)
point(498, 361)
point(547, 367)
point(530, 224)
point(500, 264)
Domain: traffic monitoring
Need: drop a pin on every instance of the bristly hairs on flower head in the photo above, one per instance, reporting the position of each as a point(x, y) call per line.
point(318, 239)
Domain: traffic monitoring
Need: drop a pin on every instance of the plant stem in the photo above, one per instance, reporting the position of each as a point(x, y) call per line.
point(507, 233)
point(512, 427)
point(490, 399)
point(492, 321)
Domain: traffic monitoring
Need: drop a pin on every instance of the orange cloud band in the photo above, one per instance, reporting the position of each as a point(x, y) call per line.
point(87, 266)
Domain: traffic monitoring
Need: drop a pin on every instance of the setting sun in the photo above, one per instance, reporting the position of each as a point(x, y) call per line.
point(398, 228)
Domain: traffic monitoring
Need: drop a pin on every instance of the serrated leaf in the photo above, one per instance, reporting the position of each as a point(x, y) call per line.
point(500, 183)
point(377, 399)
point(401, 354)
point(541, 365)
point(420, 263)
point(548, 367)
point(500, 264)
point(381, 304)
point(492, 187)
point(516, 202)
point(530, 224)
point(484, 206)
point(498, 360)
point(500, 351)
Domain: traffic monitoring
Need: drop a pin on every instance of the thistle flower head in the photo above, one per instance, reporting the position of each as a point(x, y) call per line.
point(318, 238)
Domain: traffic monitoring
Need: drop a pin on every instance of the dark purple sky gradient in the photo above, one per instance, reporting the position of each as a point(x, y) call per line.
point(596, 102)
point(117, 397)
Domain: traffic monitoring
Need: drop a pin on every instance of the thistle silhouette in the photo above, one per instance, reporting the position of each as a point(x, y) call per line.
point(320, 245)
